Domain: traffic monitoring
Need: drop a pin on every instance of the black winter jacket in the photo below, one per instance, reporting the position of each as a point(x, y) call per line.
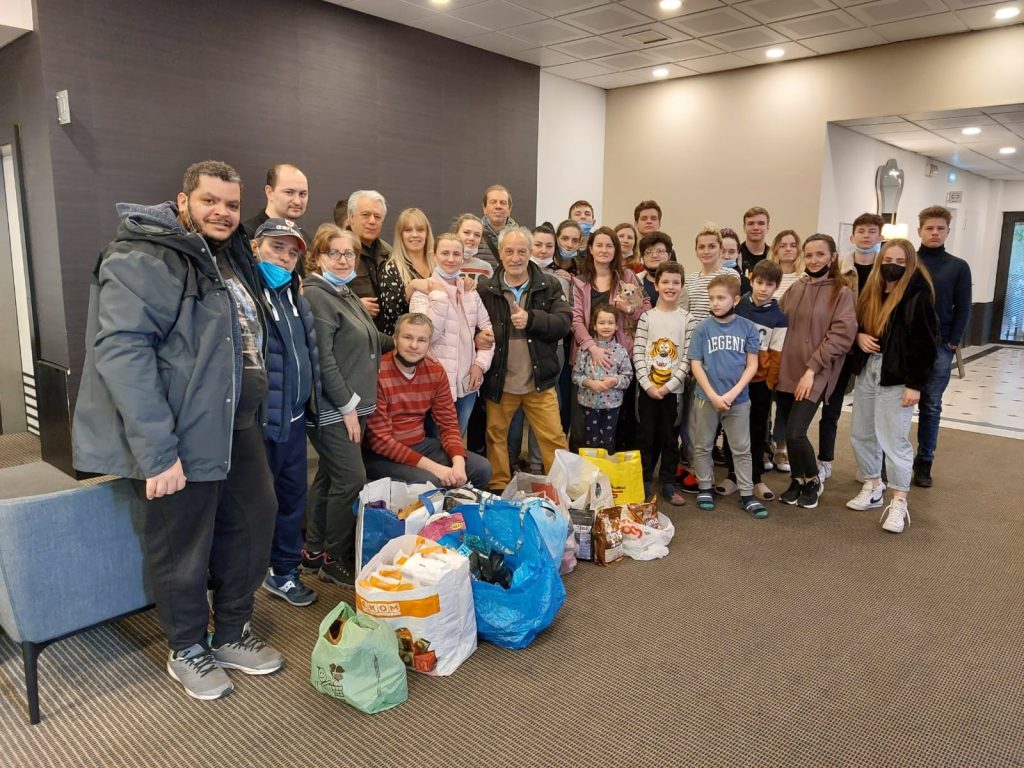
point(550, 320)
point(163, 354)
point(910, 341)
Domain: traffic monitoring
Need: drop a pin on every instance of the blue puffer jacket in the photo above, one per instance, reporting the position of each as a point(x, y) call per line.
point(288, 312)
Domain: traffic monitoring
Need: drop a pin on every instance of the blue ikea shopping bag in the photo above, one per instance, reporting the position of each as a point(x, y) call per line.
point(513, 617)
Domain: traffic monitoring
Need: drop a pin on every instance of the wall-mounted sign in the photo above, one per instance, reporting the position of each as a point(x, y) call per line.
point(954, 197)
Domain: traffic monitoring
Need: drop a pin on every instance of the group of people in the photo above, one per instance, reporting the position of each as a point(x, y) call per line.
point(214, 348)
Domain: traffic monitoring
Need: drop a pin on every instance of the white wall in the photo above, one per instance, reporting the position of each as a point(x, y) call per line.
point(570, 148)
point(848, 189)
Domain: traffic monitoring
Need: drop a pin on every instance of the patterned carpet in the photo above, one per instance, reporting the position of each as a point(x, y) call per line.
point(808, 639)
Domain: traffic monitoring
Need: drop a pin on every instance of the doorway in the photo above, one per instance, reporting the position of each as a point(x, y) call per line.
point(18, 405)
point(1009, 294)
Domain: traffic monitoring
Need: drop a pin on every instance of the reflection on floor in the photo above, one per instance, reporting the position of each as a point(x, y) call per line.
point(990, 398)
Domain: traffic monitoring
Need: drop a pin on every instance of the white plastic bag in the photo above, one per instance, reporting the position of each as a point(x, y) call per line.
point(642, 542)
point(579, 483)
point(423, 592)
point(375, 527)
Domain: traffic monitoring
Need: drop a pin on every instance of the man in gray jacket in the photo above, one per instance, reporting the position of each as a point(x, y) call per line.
point(171, 393)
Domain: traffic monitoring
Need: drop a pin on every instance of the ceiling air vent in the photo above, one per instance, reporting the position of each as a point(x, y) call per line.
point(647, 37)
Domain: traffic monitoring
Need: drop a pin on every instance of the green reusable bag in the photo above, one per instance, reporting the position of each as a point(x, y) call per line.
point(356, 659)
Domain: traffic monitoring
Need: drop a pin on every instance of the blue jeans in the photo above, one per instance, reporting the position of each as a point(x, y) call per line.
point(287, 462)
point(930, 407)
point(881, 424)
point(463, 410)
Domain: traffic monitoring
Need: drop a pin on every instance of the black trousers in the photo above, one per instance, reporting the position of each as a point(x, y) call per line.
point(658, 437)
point(829, 424)
point(340, 476)
point(222, 528)
point(798, 415)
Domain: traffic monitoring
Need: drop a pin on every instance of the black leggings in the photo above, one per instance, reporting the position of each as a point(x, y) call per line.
point(799, 414)
point(829, 423)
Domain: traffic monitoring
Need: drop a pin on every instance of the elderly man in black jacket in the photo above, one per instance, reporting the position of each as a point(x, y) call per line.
point(529, 315)
point(172, 388)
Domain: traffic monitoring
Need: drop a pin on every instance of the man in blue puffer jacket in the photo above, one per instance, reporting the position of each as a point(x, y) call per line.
point(293, 380)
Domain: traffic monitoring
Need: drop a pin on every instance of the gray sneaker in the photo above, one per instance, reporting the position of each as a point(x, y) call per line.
point(197, 671)
point(249, 655)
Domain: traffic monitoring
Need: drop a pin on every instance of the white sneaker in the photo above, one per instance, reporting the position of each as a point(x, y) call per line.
point(781, 460)
point(869, 497)
point(896, 516)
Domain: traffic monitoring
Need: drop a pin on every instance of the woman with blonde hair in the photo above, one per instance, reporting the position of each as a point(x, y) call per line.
point(408, 268)
point(785, 252)
point(898, 339)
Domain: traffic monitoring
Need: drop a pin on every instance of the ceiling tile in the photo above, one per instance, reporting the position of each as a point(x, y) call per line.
point(448, 26)
point(393, 10)
point(929, 26)
point(748, 38)
point(871, 121)
point(590, 48)
point(792, 51)
point(606, 18)
point(617, 80)
point(1004, 109)
point(767, 11)
point(878, 128)
point(653, 9)
point(954, 122)
point(688, 49)
point(717, 63)
point(432, 6)
point(817, 25)
point(886, 11)
point(993, 134)
point(916, 116)
point(542, 57)
point(957, 5)
point(647, 35)
point(498, 43)
point(984, 18)
point(621, 62)
point(712, 22)
point(545, 32)
point(495, 14)
point(557, 7)
point(577, 70)
point(844, 41)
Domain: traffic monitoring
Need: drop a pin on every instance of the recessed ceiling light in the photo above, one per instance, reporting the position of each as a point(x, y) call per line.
point(972, 131)
point(1007, 150)
point(775, 53)
point(1007, 13)
point(670, 5)
point(660, 72)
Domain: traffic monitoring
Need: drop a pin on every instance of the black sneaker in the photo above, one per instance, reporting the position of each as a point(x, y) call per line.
point(809, 493)
point(922, 473)
point(334, 572)
point(311, 561)
point(792, 494)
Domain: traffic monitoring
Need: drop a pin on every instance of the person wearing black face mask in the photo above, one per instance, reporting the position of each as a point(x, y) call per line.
point(897, 345)
point(822, 324)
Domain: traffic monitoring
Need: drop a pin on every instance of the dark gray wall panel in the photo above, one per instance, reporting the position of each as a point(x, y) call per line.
point(355, 101)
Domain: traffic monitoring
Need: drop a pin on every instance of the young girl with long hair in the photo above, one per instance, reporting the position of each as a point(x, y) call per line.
point(898, 341)
point(822, 323)
point(600, 387)
point(408, 268)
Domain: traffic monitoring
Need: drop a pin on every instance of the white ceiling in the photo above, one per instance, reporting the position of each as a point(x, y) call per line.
point(939, 135)
point(612, 44)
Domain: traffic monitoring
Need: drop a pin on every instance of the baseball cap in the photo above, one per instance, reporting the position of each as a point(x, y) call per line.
point(280, 228)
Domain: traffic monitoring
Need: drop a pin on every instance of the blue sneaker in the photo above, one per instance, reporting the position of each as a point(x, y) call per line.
point(289, 587)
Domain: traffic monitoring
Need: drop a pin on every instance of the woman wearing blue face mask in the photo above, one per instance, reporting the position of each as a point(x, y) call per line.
point(350, 348)
point(293, 393)
point(567, 243)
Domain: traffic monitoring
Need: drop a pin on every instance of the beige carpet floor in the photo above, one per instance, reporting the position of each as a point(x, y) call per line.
point(808, 639)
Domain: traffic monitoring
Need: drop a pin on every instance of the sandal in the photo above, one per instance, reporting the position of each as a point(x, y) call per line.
point(672, 496)
point(706, 500)
point(755, 508)
point(763, 492)
point(726, 488)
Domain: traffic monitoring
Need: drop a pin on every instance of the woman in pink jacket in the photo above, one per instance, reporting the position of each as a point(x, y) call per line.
point(457, 314)
point(600, 281)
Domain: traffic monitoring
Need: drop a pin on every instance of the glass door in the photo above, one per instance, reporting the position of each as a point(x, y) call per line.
point(1009, 295)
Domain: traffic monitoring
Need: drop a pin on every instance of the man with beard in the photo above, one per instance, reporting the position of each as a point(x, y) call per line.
point(172, 384)
point(411, 387)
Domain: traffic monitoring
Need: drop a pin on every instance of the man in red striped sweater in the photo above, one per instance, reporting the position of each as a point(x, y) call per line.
point(409, 387)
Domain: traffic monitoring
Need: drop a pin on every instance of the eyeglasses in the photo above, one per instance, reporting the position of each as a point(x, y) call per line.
point(338, 255)
point(656, 252)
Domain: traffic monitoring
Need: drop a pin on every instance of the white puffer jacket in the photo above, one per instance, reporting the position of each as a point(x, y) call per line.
point(457, 314)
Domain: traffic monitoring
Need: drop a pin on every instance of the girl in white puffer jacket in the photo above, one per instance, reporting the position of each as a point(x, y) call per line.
point(455, 309)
